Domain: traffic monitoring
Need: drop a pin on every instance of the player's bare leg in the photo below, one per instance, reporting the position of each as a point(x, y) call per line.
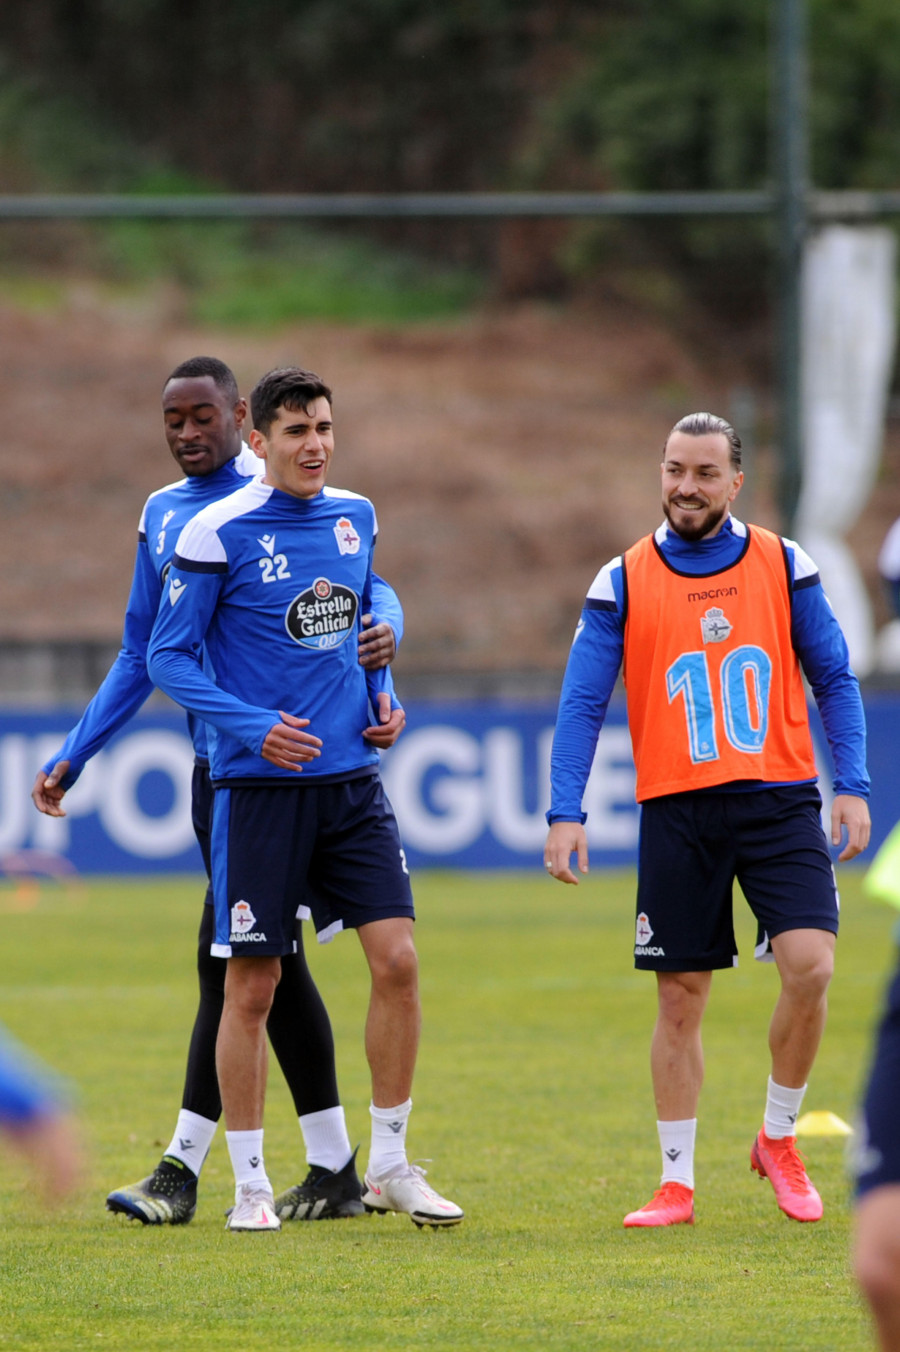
point(805, 960)
point(676, 1050)
point(395, 1017)
point(241, 1048)
point(242, 1066)
point(676, 1064)
point(392, 1041)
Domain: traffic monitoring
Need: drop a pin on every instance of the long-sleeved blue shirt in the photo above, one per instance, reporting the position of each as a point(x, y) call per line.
point(270, 588)
point(596, 658)
point(127, 683)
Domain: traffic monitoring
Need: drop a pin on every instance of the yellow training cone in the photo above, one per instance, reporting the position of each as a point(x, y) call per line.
point(822, 1123)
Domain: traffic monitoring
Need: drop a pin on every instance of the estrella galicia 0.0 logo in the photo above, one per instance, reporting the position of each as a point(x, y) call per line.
point(322, 616)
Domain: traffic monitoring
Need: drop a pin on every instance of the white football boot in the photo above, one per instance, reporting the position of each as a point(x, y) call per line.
point(406, 1190)
point(254, 1209)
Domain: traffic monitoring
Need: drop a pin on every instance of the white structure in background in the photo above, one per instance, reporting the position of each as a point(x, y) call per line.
point(848, 346)
point(888, 644)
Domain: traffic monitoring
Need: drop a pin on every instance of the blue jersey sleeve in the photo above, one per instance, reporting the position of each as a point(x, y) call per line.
point(822, 651)
point(126, 684)
point(378, 681)
point(386, 607)
point(591, 674)
point(27, 1092)
point(175, 658)
point(383, 601)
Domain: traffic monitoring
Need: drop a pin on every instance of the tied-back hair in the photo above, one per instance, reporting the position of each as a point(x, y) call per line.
point(702, 424)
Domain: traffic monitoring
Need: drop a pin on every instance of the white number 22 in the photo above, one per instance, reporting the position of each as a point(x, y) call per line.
point(273, 569)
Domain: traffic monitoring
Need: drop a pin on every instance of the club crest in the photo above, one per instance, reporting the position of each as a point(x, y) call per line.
point(347, 537)
point(714, 626)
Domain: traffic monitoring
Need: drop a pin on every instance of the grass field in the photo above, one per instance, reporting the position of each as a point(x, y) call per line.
point(532, 1099)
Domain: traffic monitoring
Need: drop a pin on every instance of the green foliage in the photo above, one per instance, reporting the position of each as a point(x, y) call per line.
point(678, 97)
point(670, 97)
point(280, 94)
point(421, 95)
point(49, 143)
point(532, 1097)
point(226, 272)
point(855, 93)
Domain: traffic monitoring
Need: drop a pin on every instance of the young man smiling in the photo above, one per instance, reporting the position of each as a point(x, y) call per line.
point(712, 622)
point(271, 583)
point(203, 419)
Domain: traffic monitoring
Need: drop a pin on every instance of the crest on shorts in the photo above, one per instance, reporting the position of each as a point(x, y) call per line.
point(242, 918)
point(644, 931)
point(242, 925)
point(714, 626)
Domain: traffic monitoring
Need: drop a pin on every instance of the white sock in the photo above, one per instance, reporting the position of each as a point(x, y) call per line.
point(676, 1141)
point(246, 1151)
point(388, 1149)
point(326, 1139)
point(192, 1139)
point(782, 1110)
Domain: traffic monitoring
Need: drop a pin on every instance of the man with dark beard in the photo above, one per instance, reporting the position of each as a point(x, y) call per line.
point(712, 622)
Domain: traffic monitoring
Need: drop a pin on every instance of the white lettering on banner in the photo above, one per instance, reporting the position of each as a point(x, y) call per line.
point(453, 787)
point(448, 789)
point(47, 833)
point(612, 815)
point(504, 753)
point(54, 833)
point(457, 799)
point(14, 799)
point(120, 811)
point(108, 785)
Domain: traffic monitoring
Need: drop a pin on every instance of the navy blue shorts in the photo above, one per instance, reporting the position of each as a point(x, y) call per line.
point(876, 1152)
point(693, 846)
point(331, 851)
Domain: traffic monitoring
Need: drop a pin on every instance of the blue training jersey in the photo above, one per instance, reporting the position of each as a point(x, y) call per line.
point(127, 683)
point(597, 649)
point(272, 588)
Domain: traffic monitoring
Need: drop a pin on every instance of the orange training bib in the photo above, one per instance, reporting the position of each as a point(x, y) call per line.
point(714, 687)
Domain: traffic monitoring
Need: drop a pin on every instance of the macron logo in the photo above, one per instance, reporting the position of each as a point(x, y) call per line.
point(175, 590)
point(268, 544)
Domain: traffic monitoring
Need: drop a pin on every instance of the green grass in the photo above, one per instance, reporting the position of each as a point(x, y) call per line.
point(532, 1097)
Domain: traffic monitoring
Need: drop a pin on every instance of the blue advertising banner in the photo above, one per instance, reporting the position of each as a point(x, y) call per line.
point(469, 782)
point(129, 812)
